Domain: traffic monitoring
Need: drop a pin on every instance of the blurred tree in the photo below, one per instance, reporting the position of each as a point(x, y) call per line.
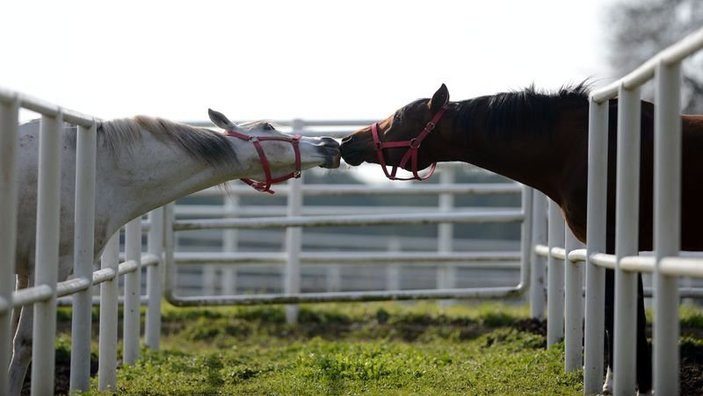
point(641, 28)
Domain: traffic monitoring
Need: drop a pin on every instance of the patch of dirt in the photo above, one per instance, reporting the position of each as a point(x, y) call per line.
point(62, 374)
point(691, 354)
point(691, 368)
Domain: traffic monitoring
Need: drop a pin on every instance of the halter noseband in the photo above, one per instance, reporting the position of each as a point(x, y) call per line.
point(412, 145)
point(265, 186)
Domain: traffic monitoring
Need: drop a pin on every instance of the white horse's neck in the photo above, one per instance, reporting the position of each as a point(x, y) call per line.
point(154, 172)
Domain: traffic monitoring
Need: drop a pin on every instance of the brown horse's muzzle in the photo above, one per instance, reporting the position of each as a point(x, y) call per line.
point(355, 149)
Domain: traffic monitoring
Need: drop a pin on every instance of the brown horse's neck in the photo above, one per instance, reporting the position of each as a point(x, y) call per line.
point(544, 155)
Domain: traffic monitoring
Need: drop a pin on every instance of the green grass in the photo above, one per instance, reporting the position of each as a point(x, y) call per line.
point(386, 348)
point(349, 349)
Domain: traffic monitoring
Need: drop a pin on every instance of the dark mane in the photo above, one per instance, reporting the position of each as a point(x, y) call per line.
point(529, 108)
point(199, 143)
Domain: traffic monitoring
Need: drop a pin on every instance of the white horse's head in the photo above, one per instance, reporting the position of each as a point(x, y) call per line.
point(278, 146)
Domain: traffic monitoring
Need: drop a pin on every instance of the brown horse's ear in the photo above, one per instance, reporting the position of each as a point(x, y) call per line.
point(439, 99)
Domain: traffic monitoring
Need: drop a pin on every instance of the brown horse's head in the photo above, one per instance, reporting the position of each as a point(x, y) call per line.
point(411, 128)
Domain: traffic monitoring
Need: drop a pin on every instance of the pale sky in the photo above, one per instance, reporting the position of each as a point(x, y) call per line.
point(280, 60)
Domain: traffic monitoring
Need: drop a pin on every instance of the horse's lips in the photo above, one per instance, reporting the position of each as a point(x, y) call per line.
point(351, 156)
point(332, 155)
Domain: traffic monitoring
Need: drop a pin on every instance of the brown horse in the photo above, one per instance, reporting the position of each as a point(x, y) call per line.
point(541, 140)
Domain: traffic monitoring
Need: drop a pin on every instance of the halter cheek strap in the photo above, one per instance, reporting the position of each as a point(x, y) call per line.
point(265, 186)
point(411, 154)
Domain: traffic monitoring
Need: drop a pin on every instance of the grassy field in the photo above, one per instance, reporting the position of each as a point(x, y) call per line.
point(355, 349)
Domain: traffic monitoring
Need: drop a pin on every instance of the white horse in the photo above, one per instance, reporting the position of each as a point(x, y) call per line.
point(143, 163)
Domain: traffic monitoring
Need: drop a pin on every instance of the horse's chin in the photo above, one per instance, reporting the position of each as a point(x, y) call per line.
point(331, 162)
point(354, 161)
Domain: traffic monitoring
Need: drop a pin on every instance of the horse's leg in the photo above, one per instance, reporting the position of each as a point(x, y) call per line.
point(644, 353)
point(22, 350)
point(22, 341)
point(21, 283)
point(609, 327)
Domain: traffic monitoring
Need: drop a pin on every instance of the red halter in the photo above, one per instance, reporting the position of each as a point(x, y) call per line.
point(265, 186)
point(412, 144)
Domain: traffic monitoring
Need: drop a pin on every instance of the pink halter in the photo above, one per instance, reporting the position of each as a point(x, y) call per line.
point(265, 186)
point(412, 144)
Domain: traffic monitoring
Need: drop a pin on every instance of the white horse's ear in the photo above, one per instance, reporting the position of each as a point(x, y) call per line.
point(221, 120)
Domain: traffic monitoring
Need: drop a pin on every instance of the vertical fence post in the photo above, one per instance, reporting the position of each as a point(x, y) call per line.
point(573, 312)
point(154, 275)
point(595, 243)
point(230, 241)
point(526, 246)
point(393, 269)
point(8, 229)
point(294, 238)
point(107, 339)
point(446, 273)
point(132, 291)
point(539, 237)
point(626, 238)
point(83, 256)
point(47, 252)
point(170, 268)
point(555, 273)
point(667, 226)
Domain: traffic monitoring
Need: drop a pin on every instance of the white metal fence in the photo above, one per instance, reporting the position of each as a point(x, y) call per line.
point(666, 263)
point(43, 295)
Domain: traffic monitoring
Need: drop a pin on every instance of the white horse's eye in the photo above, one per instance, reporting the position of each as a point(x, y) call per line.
point(269, 127)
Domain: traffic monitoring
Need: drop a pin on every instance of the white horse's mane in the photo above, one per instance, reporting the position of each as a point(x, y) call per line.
point(200, 143)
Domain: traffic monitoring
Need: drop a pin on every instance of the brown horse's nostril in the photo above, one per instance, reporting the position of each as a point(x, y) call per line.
point(347, 139)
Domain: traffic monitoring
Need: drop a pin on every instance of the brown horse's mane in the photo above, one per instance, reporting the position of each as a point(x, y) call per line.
point(529, 109)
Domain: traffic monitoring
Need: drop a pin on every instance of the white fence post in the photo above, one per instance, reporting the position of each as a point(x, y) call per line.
point(667, 226)
point(84, 214)
point(555, 273)
point(8, 229)
point(154, 275)
point(538, 295)
point(595, 243)
point(573, 303)
point(393, 269)
point(47, 253)
point(132, 291)
point(626, 238)
point(526, 248)
point(107, 339)
point(446, 274)
point(294, 238)
point(230, 242)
